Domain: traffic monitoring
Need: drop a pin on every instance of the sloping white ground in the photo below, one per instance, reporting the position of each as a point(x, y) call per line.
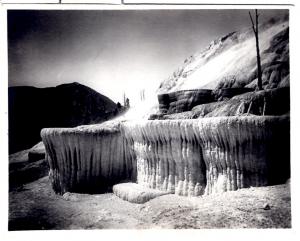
point(234, 56)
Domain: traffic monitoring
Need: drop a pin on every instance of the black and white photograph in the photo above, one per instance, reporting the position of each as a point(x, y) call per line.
point(149, 119)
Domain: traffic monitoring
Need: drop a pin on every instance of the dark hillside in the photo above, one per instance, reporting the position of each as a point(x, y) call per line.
point(67, 105)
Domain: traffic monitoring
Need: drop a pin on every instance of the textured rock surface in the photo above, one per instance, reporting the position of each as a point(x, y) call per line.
point(23, 156)
point(243, 152)
point(168, 157)
point(37, 152)
point(193, 157)
point(267, 102)
point(184, 100)
point(88, 158)
point(227, 93)
point(136, 193)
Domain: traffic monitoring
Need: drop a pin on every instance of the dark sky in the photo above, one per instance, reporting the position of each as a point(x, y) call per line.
point(112, 51)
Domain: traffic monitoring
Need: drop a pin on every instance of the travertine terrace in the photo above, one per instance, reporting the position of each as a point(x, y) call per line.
point(185, 157)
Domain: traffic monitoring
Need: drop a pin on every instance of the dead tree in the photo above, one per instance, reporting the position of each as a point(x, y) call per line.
point(124, 99)
point(255, 30)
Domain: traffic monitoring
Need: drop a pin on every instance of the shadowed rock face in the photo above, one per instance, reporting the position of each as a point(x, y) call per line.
point(186, 157)
point(67, 105)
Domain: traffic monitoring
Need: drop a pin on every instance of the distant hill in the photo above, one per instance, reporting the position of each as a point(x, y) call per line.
point(67, 105)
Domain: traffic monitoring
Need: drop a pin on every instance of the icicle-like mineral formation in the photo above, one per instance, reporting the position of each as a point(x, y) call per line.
point(210, 155)
point(186, 157)
point(244, 151)
point(88, 158)
point(169, 158)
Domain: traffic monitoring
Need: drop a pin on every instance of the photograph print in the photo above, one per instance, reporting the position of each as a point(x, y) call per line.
point(148, 118)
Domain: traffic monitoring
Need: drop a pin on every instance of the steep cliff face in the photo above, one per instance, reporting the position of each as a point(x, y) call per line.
point(193, 157)
point(88, 158)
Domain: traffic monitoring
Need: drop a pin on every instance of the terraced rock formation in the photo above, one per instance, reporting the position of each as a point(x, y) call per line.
point(272, 102)
point(184, 100)
point(186, 157)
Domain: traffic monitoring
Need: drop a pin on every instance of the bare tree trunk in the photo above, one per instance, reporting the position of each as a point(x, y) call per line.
point(124, 99)
point(255, 30)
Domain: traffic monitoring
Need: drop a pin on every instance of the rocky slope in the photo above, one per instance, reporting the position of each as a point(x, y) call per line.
point(67, 105)
point(231, 61)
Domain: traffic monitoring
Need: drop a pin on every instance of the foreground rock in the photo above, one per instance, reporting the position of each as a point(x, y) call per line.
point(136, 193)
point(27, 166)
